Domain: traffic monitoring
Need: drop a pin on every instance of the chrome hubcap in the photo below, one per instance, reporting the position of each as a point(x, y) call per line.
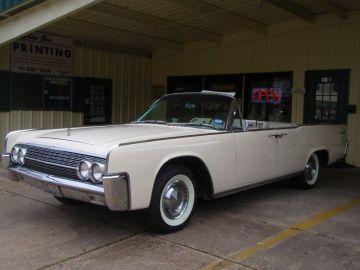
point(175, 199)
point(310, 170)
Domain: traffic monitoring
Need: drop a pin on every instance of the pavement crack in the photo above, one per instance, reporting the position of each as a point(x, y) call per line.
point(202, 251)
point(87, 252)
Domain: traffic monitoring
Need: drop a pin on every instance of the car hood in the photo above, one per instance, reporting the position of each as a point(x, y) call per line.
point(119, 134)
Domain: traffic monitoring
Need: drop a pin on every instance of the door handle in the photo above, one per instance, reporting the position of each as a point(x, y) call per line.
point(277, 136)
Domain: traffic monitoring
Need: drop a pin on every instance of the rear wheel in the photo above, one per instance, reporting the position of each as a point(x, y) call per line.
point(173, 199)
point(309, 178)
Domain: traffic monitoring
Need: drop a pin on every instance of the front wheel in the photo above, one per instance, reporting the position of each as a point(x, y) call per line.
point(173, 199)
point(309, 178)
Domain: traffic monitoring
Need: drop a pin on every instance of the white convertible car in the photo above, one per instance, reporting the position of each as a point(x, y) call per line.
point(185, 146)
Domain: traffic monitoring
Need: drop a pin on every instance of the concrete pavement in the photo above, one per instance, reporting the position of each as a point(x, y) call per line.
point(38, 232)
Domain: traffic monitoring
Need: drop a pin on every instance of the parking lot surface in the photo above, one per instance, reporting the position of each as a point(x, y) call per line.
point(271, 227)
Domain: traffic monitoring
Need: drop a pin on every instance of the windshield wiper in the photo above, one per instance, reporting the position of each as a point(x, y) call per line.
point(151, 122)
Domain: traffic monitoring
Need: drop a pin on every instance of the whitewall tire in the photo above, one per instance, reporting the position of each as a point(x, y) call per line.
point(173, 199)
point(309, 178)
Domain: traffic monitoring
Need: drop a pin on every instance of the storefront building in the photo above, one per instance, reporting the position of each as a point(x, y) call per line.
point(292, 63)
point(318, 66)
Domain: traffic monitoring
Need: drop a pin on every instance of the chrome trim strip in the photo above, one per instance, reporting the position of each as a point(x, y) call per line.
point(233, 108)
point(111, 176)
point(50, 163)
point(175, 137)
point(230, 115)
point(64, 149)
point(280, 128)
point(5, 160)
point(254, 185)
point(209, 92)
point(62, 182)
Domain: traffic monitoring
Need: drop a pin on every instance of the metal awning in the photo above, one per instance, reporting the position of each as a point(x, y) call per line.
point(35, 15)
point(149, 25)
point(11, 7)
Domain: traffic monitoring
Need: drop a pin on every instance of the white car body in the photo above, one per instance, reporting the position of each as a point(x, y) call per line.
point(135, 153)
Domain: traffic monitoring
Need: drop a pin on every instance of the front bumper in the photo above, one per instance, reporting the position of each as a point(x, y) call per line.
point(114, 192)
point(4, 164)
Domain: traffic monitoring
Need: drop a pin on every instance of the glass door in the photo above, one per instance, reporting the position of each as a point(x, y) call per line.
point(98, 95)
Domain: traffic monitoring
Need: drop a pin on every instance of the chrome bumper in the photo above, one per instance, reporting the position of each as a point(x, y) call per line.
point(4, 164)
point(114, 193)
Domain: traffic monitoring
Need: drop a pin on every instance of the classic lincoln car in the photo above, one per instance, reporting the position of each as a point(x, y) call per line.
point(185, 146)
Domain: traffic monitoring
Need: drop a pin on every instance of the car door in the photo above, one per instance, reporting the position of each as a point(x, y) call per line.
point(291, 152)
point(256, 156)
point(256, 150)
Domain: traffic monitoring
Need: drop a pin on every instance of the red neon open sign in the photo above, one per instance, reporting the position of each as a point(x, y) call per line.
point(266, 95)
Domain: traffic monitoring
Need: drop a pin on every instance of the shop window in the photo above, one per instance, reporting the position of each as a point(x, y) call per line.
point(268, 97)
point(326, 96)
point(39, 92)
point(57, 93)
point(224, 83)
point(265, 96)
point(326, 104)
point(184, 84)
point(26, 91)
point(5, 83)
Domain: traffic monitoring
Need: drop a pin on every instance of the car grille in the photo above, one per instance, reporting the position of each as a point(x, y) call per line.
point(55, 162)
point(51, 169)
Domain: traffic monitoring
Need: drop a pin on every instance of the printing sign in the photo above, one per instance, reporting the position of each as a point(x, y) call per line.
point(43, 54)
point(266, 95)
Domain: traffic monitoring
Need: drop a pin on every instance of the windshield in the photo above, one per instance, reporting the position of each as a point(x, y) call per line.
point(207, 111)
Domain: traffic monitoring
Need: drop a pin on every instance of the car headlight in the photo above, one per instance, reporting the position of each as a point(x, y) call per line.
point(83, 170)
point(97, 172)
point(14, 154)
point(21, 156)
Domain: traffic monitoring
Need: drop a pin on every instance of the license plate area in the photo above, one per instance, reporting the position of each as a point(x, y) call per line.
point(52, 188)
